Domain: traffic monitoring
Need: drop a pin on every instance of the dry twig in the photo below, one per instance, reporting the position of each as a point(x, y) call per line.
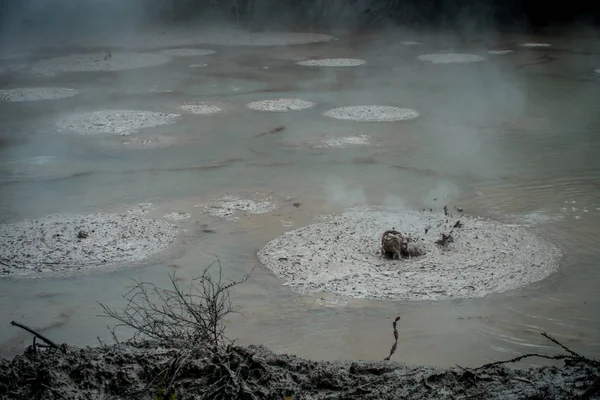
point(395, 345)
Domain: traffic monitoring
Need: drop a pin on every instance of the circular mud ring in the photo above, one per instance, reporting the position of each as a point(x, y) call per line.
point(535, 44)
point(264, 38)
point(333, 62)
point(203, 108)
point(500, 52)
point(94, 62)
point(67, 243)
point(36, 94)
point(372, 113)
point(341, 256)
point(187, 52)
point(410, 43)
point(450, 58)
point(116, 122)
point(281, 105)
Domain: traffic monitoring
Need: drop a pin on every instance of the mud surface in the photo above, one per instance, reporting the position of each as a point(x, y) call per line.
point(94, 62)
point(230, 207)
point(202, 108)
point(66, 243)
point(263, 38)
point(450, 58)
point(187, 52)
point(342, 256)
point(536, 44)
point(134, 371)
point(500, 52)
point(333, 62)
point(36, 94)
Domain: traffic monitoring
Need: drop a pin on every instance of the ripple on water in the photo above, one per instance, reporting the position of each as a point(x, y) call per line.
point(37, 167)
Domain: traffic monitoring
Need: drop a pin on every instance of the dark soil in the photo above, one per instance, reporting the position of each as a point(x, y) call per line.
point(145, 370)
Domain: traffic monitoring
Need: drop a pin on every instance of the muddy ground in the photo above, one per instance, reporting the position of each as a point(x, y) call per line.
point(144, 370)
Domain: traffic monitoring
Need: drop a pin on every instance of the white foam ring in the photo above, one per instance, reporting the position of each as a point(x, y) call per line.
point(372, 113)
point(36, 94)
point(341, 255)
point(333, 62)
point(68, 243)
point(281, 105)
point(117, 122)
point(450, 58)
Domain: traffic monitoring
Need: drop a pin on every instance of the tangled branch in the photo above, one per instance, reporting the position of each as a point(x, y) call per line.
point(177, 316)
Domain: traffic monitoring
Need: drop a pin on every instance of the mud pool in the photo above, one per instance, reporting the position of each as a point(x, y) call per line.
point(512, 137)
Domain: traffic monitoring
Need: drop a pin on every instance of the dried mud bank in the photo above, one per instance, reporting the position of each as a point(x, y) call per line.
point(134, 371)
point(60, 244)
point(341, 255)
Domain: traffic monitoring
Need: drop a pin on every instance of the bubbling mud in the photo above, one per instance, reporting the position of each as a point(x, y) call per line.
point(341, 255)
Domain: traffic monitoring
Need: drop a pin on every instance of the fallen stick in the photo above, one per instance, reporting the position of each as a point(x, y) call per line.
point(395, 345)
point(38, 335)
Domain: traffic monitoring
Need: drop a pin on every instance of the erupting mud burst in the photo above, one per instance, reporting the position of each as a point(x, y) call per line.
point(372, 113)
point(67, 243)
point(452, 258)
point(117, 122)
point(333, 62)
point(187, 52)
point(281, 105)
point(450, 58)
point(36, 94)
point(500, 52)
point(202, 108)
point(95, 62)
point(597, 71)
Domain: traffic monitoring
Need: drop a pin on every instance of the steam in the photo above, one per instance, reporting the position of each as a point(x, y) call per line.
point(340, 194)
